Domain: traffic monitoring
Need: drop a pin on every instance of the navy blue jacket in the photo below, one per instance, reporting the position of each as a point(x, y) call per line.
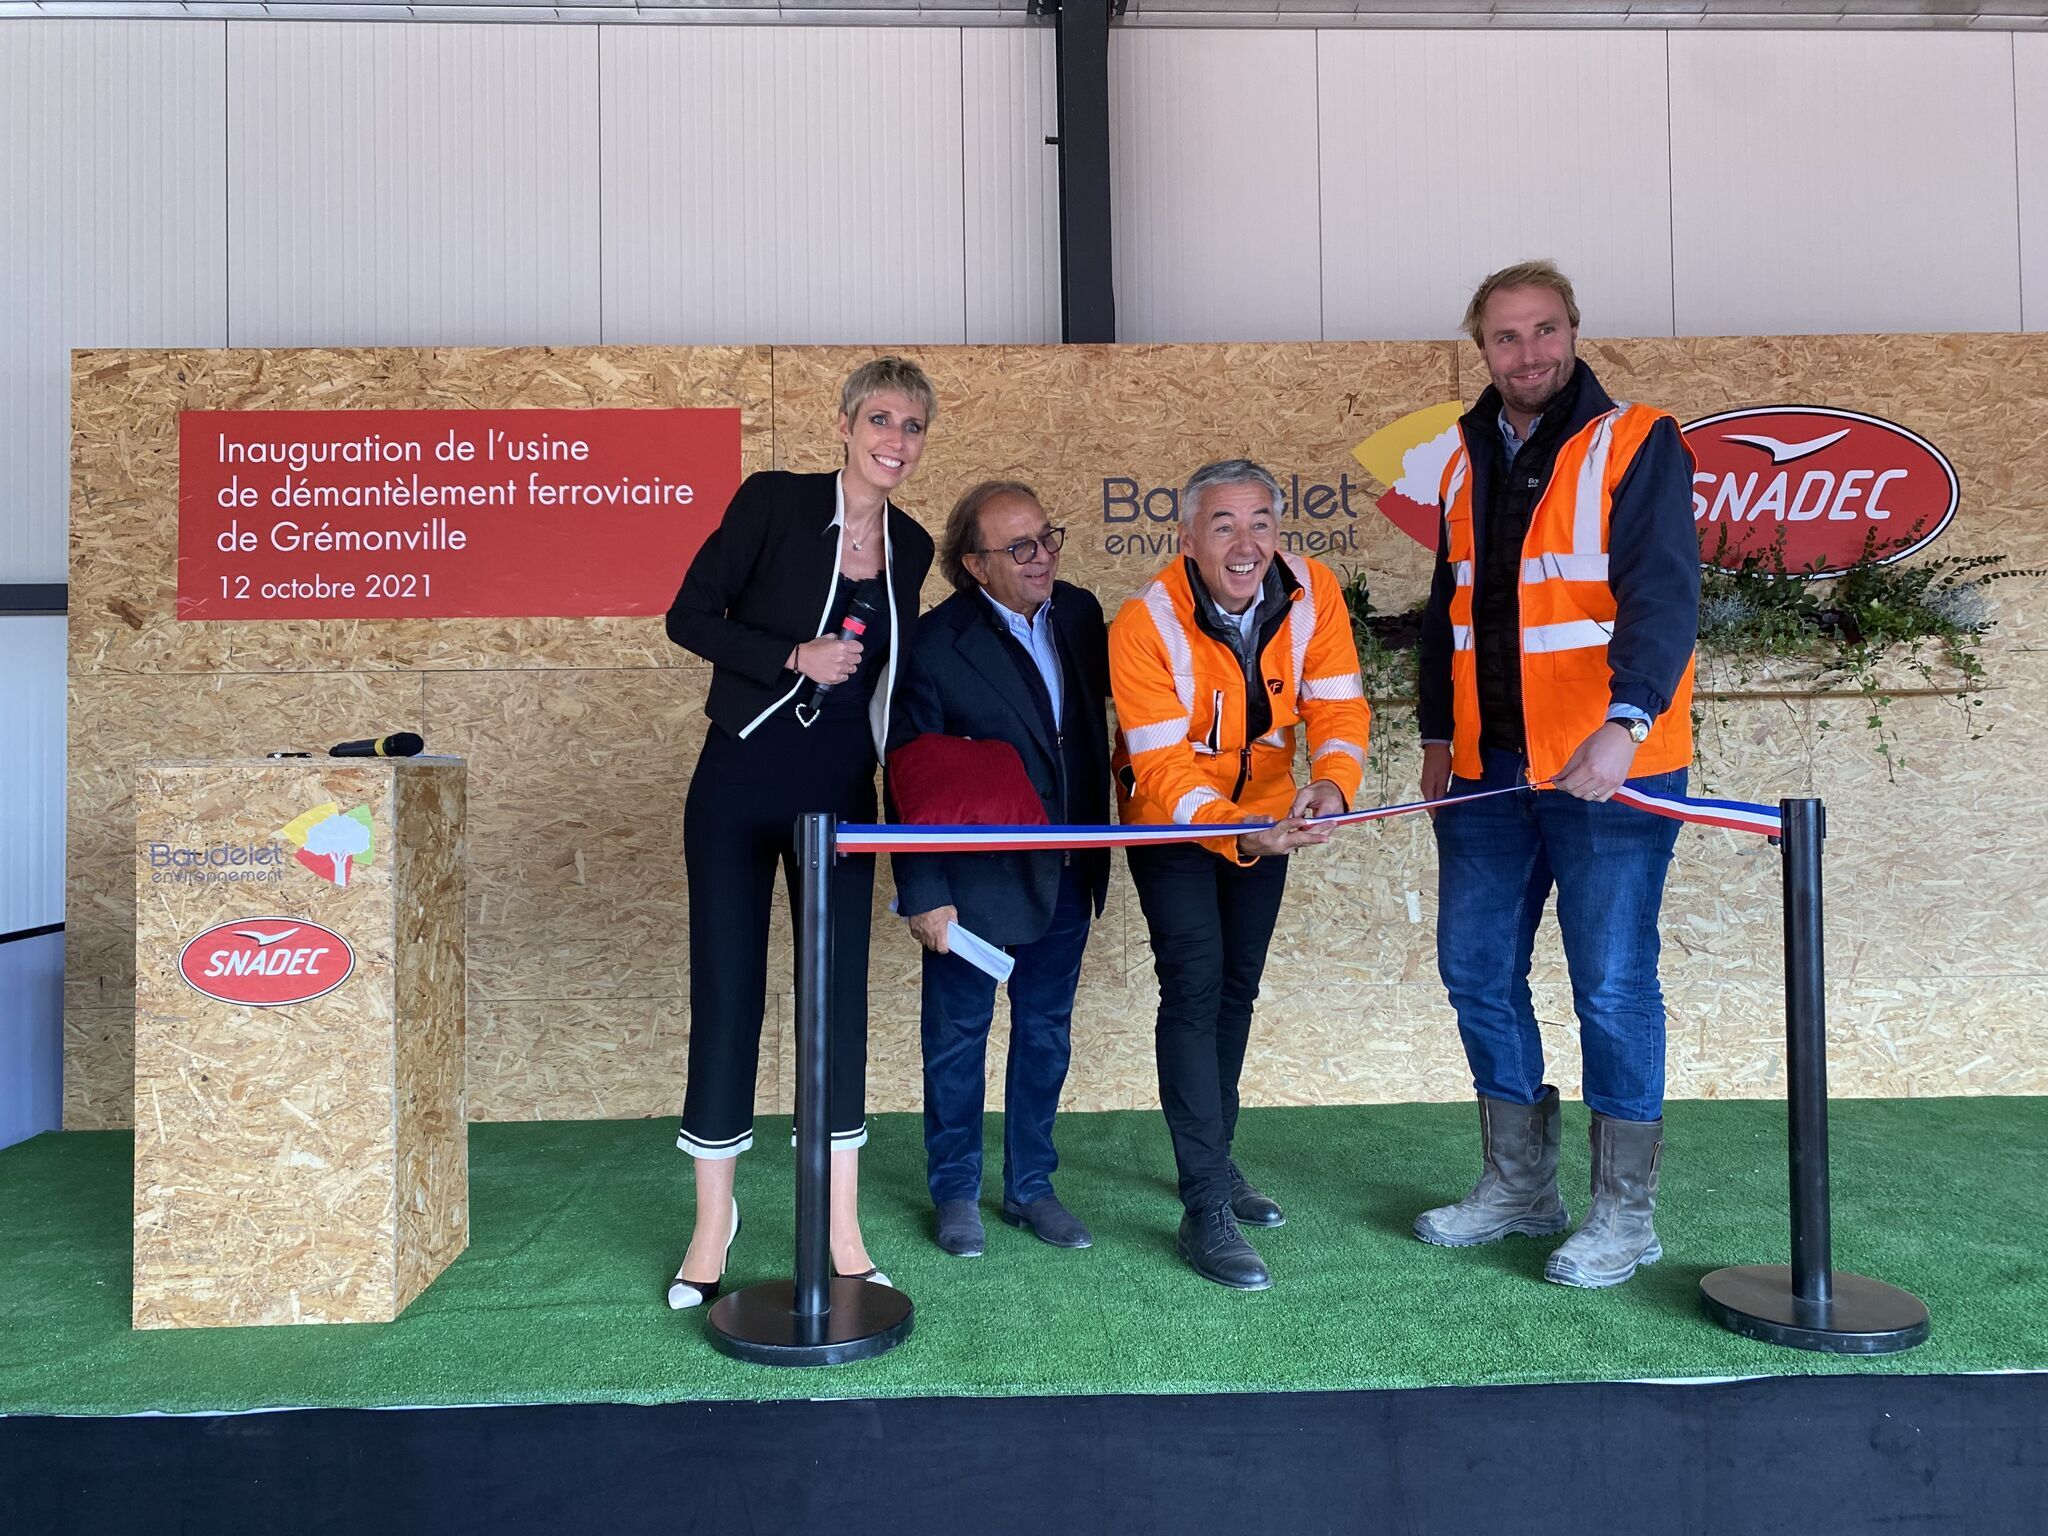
point(1653, 562)
point(967, 676)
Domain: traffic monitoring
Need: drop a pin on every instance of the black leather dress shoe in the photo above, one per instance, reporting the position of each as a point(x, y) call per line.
point(1049, 1221)
point(1249, 1205)
point(1212, 1245)
point(960, 1231)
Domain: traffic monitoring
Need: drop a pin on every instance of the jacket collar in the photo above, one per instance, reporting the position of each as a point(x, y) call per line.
point(981, 637)
point(1276, 592)
point(838, 520)
point(1581, 401)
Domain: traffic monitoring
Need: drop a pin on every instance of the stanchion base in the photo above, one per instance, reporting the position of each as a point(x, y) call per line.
point(1864, 1317)
point(760, 1324)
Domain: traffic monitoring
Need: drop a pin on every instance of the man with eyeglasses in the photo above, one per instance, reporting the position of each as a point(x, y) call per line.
point(1018, 656)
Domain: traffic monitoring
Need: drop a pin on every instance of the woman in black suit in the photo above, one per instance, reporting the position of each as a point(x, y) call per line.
point(799, 718)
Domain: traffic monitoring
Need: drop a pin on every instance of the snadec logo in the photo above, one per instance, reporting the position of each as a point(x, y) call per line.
point(1814, 489)
point(267, 962)
point(333, 843)
point(1807, 487)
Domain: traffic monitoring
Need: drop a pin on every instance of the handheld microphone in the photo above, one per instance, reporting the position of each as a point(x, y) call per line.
point(859, 612)
point(398, 744)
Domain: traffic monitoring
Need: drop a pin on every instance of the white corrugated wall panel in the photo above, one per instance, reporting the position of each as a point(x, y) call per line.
point(399, 183)
point(1448, 155)
point(2030, 93)
point(1009, 102)
point(1214, 194)
point(31, 1037)
point(782, 184)
point(112, 202)
point(1842, 182)
point(32, 682)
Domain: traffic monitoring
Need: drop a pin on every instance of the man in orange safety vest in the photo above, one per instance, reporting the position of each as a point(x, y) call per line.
point(1557, 655)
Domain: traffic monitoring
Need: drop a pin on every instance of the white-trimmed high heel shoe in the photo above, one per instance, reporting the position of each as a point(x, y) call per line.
point(683, 1293)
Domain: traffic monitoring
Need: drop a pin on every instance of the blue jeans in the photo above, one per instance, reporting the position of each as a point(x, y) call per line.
point(958, 1007)
point(1497, 862)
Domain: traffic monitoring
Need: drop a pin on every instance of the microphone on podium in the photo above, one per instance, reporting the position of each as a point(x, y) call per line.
point(397, 744)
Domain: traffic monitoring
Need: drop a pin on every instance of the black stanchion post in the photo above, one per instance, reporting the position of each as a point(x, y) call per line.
point(816, 1318)
point(1806, 1050)
point(813, 1259)
point(1809, 1304)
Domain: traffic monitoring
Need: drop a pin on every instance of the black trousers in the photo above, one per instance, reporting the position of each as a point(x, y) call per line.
point(738, 823)
point(1210, 922)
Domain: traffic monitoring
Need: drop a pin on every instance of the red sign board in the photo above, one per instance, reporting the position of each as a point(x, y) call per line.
point(266, 962)
point(1813, 489)
point(446, 514)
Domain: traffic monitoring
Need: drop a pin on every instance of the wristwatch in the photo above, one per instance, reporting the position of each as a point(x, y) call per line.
point(1638, 729)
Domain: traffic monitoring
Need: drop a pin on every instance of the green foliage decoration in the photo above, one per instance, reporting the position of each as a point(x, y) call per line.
point(1818, 634)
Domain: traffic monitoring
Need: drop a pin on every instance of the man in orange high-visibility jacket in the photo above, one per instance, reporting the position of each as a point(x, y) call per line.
point(1557, 653)
point(1214, 666)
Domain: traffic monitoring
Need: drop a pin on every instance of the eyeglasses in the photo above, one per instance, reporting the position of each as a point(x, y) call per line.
point(1024, 551)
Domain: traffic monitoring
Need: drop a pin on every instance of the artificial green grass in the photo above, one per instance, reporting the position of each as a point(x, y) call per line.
point(576, 1227)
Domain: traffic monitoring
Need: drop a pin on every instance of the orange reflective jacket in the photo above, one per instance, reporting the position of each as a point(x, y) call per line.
point(1180, 705)
point(1567, 607)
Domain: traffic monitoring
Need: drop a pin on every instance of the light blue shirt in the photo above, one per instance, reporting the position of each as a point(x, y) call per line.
point(1507, 436)
point(1034, 633)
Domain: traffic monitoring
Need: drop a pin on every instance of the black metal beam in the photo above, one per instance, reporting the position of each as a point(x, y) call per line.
point(33, 597)
point(1087, 287)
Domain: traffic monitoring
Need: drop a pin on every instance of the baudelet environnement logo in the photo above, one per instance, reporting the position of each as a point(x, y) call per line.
point(331, 842)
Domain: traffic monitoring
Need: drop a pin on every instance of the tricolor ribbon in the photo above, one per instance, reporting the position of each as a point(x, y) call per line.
point(1734, 815)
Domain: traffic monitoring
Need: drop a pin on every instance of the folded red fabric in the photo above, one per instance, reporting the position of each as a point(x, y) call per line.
point(956, 781)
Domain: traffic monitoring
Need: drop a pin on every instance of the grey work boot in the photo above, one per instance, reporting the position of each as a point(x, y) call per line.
point(1517, 1188)
point(1617, 1235)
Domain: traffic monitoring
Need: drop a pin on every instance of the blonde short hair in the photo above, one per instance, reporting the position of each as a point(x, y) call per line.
point(1523, 274)
point(896, 375)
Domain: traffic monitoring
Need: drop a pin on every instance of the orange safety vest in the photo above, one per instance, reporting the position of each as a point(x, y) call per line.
point(1567, 607)
point(1182, 753)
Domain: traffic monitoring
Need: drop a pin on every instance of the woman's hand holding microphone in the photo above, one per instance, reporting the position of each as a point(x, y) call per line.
point(828, 659)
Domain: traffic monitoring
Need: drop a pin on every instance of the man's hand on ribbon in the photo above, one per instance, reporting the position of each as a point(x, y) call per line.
point(1319, 797)
point(1597, 769)
point(1283, 836)
point(1436, 771)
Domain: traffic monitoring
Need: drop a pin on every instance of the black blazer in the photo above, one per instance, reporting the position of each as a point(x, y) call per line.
point(765, 581)
point(965, 678)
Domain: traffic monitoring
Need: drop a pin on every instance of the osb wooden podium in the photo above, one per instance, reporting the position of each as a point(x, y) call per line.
point(301, 1154)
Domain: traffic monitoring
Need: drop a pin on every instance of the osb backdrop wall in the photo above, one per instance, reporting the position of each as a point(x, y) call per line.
point(581, 733)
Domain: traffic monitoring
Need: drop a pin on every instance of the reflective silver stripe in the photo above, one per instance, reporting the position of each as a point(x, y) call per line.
point(1334, 747)
point(1565, 568)
point(1159, 603)
point(1302, 621)
point(1592, 488)
point(1461, 570)
point(1282, 737)
point(1348, 686)
point(1184, 809)
point(1461, 637)
point(1150, 738)
point(1574, 635)
point(1456, 483)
